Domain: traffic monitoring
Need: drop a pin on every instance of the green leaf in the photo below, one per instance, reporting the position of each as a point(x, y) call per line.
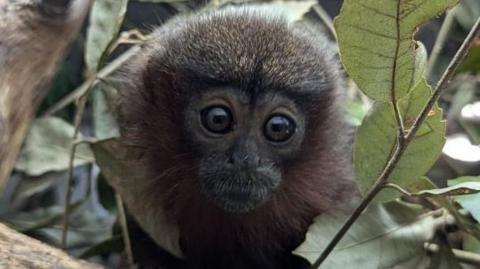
point(472, 61)
point(105, 20)
point(104, 122)
point(377, 136)
point(470, 202)
point(377, 47)
point(384, 236)
point(47, 148)
point(464, 188)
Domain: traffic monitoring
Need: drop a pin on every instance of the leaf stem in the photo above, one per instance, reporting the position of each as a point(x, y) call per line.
point(68, 190)
point(400, 148)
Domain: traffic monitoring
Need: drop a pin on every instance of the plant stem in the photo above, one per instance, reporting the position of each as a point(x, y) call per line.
point(125, 234)
point(400, 148)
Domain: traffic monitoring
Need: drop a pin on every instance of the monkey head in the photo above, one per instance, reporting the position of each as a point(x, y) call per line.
point(238, 114)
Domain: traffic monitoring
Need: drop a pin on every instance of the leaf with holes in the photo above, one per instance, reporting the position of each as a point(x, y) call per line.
point(377, 47)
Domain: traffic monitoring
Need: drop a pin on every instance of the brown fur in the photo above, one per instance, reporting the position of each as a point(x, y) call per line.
point(250, 51)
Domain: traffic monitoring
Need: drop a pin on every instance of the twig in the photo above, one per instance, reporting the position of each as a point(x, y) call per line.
point(400, 149)
point(125, 233)
point(440, 42)
point(85, 86)
point(68, 191)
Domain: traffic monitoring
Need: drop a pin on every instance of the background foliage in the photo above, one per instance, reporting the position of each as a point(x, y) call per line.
point(429, 219)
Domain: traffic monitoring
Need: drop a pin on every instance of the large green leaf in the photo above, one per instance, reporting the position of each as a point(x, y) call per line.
point(105, 20)
point(376, 43)
point(47, 148)
point(377, 137)
point(384, 236)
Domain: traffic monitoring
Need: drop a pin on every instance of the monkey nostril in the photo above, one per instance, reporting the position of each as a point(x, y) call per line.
point(231, 160)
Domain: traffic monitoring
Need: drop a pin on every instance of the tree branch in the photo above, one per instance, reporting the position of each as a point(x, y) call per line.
point(400, 148)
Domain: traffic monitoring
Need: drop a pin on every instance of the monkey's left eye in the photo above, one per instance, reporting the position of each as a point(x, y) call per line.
point(279, 128)
point(217, 119)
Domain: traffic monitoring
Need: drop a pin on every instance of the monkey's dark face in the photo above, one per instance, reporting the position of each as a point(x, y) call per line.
point(240, 143)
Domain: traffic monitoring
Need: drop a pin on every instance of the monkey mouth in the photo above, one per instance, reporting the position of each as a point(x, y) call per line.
point(239, 193)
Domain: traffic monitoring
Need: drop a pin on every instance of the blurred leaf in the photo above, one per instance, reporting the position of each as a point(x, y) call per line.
point(376, 138)
point(384, 236)
point(29, 186)
point(464, 94)
point(104, 121)
point(47, 148)
point(377, 47)
point(444, 257)
point(473, 131)
point(25, 222)
point(110, 245)
point(106, 17)
point(467, 13)
point(472, 61)
point(356, 112)
point(470, 202)
point(471, 244)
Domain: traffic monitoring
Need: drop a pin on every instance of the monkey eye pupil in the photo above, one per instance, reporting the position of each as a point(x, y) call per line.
point(217, 119)
point(279, 128)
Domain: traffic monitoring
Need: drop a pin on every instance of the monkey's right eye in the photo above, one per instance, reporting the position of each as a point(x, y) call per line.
point(217, 119)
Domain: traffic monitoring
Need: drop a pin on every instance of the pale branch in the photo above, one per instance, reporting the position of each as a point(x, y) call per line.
point(20, 251)
point(440, 42)
point(34, 36)
point(400, 148)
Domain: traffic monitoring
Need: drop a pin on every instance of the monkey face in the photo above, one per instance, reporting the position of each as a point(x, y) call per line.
point(240, 143)
point(237, 106)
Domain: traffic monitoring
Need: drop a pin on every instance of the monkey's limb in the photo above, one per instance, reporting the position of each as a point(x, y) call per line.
point(34, 35)
point(20, 251)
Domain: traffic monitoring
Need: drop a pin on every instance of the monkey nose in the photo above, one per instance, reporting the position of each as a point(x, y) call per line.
point(244, 160)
